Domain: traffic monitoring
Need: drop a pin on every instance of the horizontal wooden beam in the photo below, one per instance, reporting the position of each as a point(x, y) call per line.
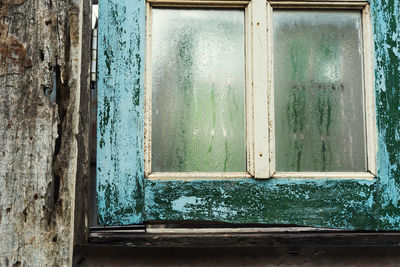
point(258, 239)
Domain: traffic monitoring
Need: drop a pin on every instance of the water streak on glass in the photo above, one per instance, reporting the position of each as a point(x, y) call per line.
point(198, 122)
point(318, 91)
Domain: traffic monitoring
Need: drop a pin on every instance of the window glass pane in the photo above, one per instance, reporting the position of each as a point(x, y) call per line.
point(198, 117)
point(318, 91)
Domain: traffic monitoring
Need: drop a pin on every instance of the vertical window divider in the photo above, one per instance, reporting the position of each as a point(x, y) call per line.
point(249, 90)
point(370, 119)
point(260, 116)
point(270, 91)
point(147, 102)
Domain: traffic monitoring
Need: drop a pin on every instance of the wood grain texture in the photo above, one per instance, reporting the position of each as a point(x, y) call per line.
point(40, 62)
point(343, 239)
point(82, 196)
point(120, 112)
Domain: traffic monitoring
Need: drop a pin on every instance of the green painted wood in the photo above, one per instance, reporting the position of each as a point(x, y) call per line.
point(354, 204)
point(322, 203)
point(386, 20)
point(120, 112)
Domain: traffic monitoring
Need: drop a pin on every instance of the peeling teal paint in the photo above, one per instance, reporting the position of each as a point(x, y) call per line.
point(120, 112)
point(386, 29)
point(181, 203)
point(125, 198)
point(323, 203)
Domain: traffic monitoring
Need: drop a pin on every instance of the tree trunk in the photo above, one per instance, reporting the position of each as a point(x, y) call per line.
point(40, 57)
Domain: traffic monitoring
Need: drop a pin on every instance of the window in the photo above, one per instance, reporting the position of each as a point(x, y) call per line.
point(201, 91)
point(198, 106)
point(322, 96)
point(265, 127)
point(210, 110)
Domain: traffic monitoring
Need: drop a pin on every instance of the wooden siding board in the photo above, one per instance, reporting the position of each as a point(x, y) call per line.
point(321, 203)
point(120, 112)
point(386, 32)
point(246, 239)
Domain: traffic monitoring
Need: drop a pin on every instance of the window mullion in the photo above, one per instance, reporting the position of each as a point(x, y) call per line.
point(259, 88)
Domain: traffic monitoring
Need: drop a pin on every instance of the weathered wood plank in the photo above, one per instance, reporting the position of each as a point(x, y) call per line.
point(40, 63)
point(320, 203)
point(82, 196)
point(386, 31)
point(120, 112)
point(344, 239)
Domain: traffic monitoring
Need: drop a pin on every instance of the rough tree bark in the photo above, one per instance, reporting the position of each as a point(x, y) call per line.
point(40, 57)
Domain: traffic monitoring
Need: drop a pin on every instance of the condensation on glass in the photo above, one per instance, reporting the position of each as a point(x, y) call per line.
point(198, 90)
point(318, 91)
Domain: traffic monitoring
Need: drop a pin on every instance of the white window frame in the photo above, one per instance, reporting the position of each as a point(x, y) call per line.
point(259, 105)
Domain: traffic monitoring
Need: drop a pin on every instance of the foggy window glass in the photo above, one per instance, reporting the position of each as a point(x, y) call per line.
point(318, 91)
point(198, 90)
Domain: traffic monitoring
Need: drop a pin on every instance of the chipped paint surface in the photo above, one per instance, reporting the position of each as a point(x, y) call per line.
point(323, 203)
point(354, 204)
point(386, 28)
point(342, 204)
point(120, 112)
